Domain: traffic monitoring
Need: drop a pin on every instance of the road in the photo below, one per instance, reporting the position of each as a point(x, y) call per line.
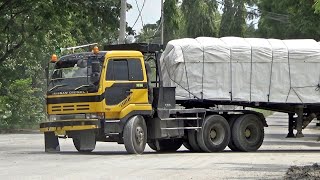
point(22, 157)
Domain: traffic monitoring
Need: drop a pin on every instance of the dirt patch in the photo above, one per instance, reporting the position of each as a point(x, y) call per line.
point(303, 172)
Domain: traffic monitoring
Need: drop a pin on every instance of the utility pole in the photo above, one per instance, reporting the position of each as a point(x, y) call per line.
point(162, 22)
point(123, 21)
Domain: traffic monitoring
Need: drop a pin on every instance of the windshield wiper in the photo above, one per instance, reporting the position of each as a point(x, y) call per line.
point(60, 85)
point(82, 86)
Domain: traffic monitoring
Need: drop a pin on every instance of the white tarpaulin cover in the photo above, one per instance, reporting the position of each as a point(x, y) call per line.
point(243, 69)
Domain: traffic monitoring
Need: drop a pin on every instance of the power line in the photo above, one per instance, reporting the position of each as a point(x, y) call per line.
point(270, 15)
point(139, 15)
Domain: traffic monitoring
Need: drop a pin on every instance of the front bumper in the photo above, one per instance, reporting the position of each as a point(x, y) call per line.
point(60, 127)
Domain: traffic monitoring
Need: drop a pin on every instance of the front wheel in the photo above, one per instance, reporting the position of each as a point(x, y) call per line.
point(135, 135)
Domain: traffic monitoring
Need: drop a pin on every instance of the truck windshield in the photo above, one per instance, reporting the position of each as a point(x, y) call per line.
point(73, 74)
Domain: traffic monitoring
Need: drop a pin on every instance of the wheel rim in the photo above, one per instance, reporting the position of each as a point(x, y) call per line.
point(139, 135)
point(216, 134)
point(251, 133)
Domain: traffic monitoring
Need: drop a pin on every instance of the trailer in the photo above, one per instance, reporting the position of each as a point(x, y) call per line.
point(135, 94)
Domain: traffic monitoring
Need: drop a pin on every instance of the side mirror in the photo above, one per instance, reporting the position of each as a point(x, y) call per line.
point(95, 67)
point(95, 75)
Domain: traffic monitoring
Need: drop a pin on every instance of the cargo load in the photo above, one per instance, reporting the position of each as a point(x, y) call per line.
point(243, 69)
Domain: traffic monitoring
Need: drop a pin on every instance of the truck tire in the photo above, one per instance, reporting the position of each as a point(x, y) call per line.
point(187, 145)
point(231, 144)
point(215, 134)
point(248, 133)
point(166, 145)
point(77, 145)
point(192, 137)
point(135, 135)
point(84, 141)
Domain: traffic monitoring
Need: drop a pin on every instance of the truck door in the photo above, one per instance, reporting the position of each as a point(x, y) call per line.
point(126, 84)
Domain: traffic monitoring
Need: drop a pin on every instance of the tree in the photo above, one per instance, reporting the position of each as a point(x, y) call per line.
point(150, 33)
point(317, 6)
point(199, 17)
point(288, 19)
point(30, 31)
point(172, 20)
point(233, 22)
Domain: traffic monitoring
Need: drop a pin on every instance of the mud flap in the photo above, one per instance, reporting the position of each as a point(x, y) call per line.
point(51, 142)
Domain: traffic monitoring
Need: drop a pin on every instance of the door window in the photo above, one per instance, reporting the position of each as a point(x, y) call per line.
point(124, 70)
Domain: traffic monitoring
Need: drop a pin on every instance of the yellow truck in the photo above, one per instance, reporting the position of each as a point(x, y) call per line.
point(117, 95)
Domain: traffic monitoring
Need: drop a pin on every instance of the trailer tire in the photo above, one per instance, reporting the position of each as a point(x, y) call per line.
point(192, 137)
point(166, 145)
point(248, 133)
point(135, 135)
point(215, 134)
point(231, 144)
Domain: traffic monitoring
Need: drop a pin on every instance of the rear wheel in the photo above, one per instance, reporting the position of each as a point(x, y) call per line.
point(215, 134)
point(231, 144)
point(192, 137)
point(166, 145)
point(248, 133)
point(135, 135)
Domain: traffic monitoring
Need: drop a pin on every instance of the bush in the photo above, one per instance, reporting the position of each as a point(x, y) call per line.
point(22, 107)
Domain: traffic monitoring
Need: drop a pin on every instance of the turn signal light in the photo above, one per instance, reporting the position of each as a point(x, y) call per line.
point(54, 58)
point(95, 50)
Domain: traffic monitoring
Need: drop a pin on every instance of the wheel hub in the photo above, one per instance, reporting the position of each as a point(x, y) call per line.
point(247, 133)
point(213, 134)
point(139, 135)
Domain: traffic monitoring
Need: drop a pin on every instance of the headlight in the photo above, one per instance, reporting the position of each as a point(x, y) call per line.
point(95, 116)
point(52, 117)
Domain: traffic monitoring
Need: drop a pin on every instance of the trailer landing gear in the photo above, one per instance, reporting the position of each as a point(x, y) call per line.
point(291, 125)
point(299, 111)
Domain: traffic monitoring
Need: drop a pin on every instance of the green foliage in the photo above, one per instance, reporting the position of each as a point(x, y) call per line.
point(150, 33)
point(199, 17)
point(317, 6)
point(30, 32)
point(23, 105)
point(233, 22)
point(288, 19)
point(172, 20)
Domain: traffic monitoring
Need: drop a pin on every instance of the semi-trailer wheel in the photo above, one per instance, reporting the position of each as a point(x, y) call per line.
point(166, 145)
point(135, 135)
point(215, 134)
point(192, 137)
point(248, 133)
point(84, 141)
point(231, 121)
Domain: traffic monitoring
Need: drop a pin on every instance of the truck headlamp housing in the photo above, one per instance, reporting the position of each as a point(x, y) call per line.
point(54, 117)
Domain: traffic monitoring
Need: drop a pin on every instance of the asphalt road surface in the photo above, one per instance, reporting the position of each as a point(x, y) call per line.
point(22, 157)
